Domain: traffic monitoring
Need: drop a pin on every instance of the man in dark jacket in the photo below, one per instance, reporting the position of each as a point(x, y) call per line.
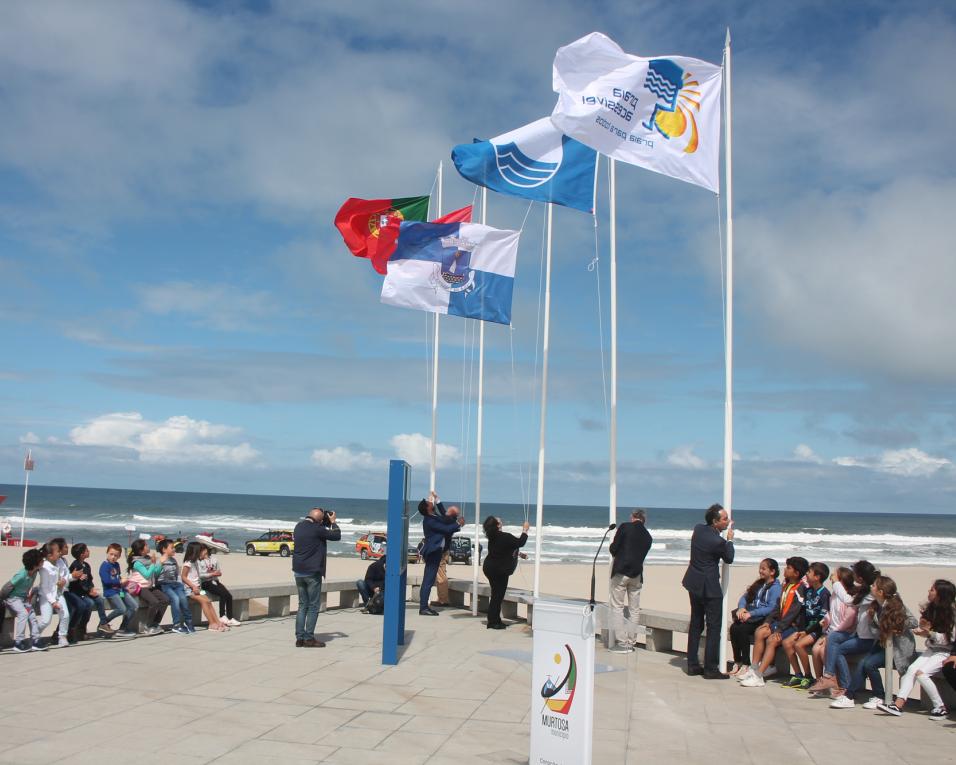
point(702, 582)
point(632, 542)
point(436, 526)
point(374, 580)
point(310, 540)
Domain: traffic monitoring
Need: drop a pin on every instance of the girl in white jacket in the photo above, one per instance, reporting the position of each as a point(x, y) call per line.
point(50, 593)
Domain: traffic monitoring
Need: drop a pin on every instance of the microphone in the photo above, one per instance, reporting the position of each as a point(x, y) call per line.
point(594, 565)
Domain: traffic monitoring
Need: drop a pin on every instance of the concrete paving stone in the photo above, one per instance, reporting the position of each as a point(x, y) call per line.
point(311, 698)
point(364, 705)
point(424, 705)
point(401, 742)
point(295, 733)
point(358, 737)
point(380, 721)
point(287, 751)
point(429, 724)
point(244, 758)
point(201, 743)
point(13, 736)
point(345, 755)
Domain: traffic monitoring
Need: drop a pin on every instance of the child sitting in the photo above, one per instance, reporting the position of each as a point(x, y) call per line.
point(16, 595)
point(210, 579)
point(816, 605)
point(51, 600)
point(753, 606)
point(173, 588)
point(937, 624)
point(143, 569)
point(783, 621)
point(86, 595)
point(190, 577)
point(122, 602)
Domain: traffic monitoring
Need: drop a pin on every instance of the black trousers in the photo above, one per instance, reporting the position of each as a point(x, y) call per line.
point(218, 589)
point(949, 672)
point(498, 580)
point(740, 634)
point(704, 610)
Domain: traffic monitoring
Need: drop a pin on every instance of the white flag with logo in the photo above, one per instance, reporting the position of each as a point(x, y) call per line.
point(660, 113)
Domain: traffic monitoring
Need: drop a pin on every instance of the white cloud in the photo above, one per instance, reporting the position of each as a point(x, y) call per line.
point(911, 463)
point(803, 453)
point(30, 438)
point(341, 459)
point(684, 457)
point(219, 306)
point(415, 449)
point(177, 440)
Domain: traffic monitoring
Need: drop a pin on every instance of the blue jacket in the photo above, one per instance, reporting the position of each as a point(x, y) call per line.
point(707, 550)
point(763, 602)
point(436, 528)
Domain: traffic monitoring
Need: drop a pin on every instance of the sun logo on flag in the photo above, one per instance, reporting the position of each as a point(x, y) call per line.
point(378, 221)
point(678, 98)
point(550, 691)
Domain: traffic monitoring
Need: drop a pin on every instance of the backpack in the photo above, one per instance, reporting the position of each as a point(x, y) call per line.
point(376, 604)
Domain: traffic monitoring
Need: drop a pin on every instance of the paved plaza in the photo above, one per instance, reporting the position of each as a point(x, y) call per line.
point(459, 695)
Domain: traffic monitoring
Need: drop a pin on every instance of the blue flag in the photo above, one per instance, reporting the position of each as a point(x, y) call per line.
point(536, 162)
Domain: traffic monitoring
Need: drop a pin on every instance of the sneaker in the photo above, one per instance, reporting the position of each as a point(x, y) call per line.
point(621, 649)
point(127, 634)
point(62, 642)
point(804, 684)
point(890, 709)
point(938, 713)
point(770, 672)
point(37, 646)
point(794, 681)
point(154, 630)
point(190, 629)
point(233, 622)
point(842, 702)
point(180, 629)
point(741, 676)
point(873, 702)
point(21, 647)
point(105, 629)
point(754, 681)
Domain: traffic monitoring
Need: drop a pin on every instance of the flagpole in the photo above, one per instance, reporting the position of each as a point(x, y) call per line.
point(27, 469)
point(612, 505)
point(434, 453)
point(729, 339)
point(539, 517)
point(481, 400)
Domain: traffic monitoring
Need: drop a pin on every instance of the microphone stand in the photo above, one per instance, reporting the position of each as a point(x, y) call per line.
point(594, 565)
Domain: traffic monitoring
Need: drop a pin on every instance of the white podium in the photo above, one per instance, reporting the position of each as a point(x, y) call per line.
point(562, 683)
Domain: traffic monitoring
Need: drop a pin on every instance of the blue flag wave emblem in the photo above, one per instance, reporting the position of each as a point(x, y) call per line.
point(518, 169)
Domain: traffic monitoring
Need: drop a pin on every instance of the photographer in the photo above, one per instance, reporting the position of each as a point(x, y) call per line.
point(310, 540)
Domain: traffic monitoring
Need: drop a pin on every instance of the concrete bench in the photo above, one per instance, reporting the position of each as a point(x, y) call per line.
point(278, 597)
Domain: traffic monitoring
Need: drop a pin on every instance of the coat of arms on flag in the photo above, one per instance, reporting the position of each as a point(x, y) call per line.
point(460, 269)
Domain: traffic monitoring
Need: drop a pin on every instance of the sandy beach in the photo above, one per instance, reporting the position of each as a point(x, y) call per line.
point(662, 589)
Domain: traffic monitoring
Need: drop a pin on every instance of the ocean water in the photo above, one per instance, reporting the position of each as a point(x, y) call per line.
point(571, 533)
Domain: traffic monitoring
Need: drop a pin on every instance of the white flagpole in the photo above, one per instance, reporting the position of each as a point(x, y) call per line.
point(481, 401)
point(27, 469)
point(539, 517)
point(431, 478)
point(728, 341)
point(612, 462)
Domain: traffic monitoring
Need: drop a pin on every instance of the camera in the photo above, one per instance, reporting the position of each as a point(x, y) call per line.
point(326, 518)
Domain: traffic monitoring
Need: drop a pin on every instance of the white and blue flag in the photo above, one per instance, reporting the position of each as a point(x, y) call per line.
point(460, 269)
point(536, 162)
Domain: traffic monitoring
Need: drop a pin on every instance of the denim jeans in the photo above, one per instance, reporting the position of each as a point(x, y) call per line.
point(310, 596)
point(868, 668)
point(834, 641)
point(125, 605)
point(79, 609)
point(850, 647)
point(179, 602)
point(364, 591)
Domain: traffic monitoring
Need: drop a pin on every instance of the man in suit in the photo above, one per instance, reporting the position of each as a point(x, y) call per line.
point(436, 526)
point(632, 542)
point(702, 582)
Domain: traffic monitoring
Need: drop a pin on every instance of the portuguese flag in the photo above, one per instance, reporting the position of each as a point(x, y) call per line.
point(360, 222)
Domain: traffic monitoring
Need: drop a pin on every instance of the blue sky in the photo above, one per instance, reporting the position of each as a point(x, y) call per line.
point(178, 311)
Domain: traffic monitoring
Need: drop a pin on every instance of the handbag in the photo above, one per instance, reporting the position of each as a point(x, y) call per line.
point(133, 588)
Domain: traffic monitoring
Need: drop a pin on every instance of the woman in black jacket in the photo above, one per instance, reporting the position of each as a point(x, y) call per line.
point(500, 564)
